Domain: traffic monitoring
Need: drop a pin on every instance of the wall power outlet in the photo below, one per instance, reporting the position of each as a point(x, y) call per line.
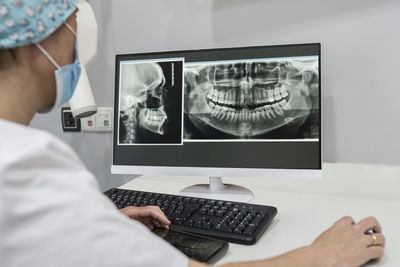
point(69, 123)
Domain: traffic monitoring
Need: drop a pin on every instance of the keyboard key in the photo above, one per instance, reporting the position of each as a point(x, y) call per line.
point(207, 226)
point(237, 231)
point(177, 220)
point(241, 227)
point(189, 223)
point(249, 230)
point(203, 211)
point(198, 224)
point(219, 213)
point(210, 212)
point(224, 229)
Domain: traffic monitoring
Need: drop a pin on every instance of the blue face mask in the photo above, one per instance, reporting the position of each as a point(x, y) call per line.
point(67, 77)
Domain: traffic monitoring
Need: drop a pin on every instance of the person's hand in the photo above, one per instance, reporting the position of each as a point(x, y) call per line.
point(349, 244)
point(151, 216)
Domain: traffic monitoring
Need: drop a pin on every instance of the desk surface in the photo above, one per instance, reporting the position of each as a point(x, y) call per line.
point(308, 207)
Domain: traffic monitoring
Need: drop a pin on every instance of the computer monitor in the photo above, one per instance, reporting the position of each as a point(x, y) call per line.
point(248, 111)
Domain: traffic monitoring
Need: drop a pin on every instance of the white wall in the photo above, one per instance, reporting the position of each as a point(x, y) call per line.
point(360, 51)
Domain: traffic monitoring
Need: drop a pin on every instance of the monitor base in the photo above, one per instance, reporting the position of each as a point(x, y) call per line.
point(216, 189)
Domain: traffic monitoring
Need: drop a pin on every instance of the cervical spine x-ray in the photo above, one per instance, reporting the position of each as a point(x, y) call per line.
point(252, 99)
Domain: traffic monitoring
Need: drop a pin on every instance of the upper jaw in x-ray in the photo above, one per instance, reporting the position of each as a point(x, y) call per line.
point(250, 99)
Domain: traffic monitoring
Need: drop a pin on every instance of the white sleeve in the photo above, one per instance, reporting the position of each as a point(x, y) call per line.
point(53, 214)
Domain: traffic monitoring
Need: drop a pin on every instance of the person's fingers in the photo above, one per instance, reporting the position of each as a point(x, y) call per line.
point(369, 240)
point(346, 220)
point(156, 213)
point(375, 252)
point(369, 223)
point(150, 226)
point(152, 214)
point(159, 219)
point(163, 225)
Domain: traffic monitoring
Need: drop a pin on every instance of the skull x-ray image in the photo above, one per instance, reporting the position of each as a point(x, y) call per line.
point(252, 99)
point(150, 102)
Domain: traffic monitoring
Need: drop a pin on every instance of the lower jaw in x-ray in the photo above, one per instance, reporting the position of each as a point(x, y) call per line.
point(153, 120)
point(250, 99)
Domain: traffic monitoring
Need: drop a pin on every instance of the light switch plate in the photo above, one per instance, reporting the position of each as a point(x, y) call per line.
point(102, 121)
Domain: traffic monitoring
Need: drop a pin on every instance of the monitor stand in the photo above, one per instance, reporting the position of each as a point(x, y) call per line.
point(216, 189)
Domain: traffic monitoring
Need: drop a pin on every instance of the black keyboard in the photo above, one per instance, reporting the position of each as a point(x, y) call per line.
point(229, 221)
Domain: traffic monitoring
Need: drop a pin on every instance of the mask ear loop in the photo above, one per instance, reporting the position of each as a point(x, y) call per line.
point(73, 31)
point(48, 56)
point(70, 28)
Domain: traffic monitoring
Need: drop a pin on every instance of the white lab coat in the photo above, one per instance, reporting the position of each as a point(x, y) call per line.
point(52, 212)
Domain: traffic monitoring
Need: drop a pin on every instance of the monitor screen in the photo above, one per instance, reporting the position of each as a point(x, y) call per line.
point(248, 108)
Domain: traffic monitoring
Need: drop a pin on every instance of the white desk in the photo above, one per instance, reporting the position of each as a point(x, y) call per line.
point(308, 207)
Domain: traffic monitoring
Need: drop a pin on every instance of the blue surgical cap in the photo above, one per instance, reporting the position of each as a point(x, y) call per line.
point(24, 22)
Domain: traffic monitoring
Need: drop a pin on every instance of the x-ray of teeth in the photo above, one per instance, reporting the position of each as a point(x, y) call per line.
point(150, 102)
point(252, 99)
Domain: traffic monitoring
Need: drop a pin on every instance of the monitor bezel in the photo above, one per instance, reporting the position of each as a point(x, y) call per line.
point(212, 171)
